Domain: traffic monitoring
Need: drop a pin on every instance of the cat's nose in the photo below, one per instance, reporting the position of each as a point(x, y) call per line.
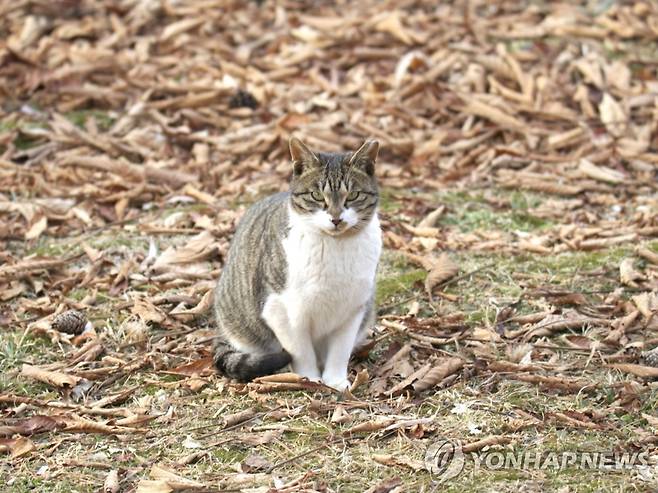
point(337, 221)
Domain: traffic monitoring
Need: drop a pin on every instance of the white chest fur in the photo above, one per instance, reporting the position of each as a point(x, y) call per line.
point(329, 278)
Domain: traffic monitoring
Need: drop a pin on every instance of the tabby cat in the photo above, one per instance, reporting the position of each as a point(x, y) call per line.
point(299, 283)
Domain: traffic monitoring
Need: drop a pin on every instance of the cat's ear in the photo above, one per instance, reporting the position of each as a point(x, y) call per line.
point(301, 156)
point(366, 156)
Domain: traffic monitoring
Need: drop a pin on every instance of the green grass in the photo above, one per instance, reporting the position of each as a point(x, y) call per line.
point(102, 118)
point(473, 211)
point(17, 348)
point(396, 284)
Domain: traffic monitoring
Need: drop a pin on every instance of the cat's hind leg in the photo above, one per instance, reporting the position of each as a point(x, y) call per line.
point(291, 328)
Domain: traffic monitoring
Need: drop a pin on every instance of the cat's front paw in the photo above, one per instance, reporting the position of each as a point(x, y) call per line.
point(340, 384)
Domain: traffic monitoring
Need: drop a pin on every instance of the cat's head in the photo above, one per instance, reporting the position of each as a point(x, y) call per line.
point(334, 192)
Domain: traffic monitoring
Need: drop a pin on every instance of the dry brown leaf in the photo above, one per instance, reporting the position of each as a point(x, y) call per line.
point(484, 334)
point(370, 426)
point(580, 421)
point(31, 426)
point(234, 419)
point(262, 438)
point(493, 114)
point(201, 247)
point(255, 463)
point(508, 366)
point(56, 378)
point(417, 375)
point(153, 486)
point(559, 383)
point(601, 173)
point(637, 370)
point(569, 319)
point(435, 375)
point(37, 228)
point(282, 378)
point(29, 266)
point(485, 442)
point(390, 22)
point(340, 415)
point(111, 484)
point(627, 274)
point(73, 423)
point(362, 377)
point(173, 480)
point(424, 262)
point(613, 115)
point(201, 308)
point(147, 311)
point(17, 447)
point(580, 342)
point(200, 367)
point(64, 422)
point(266, 388)
point(421, 231)
point(646, 303)
point(443, 269)
point(399, 461)
point(648, 255)
point(430, 220)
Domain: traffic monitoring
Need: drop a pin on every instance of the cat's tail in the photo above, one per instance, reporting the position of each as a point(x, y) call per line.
point(245, 366)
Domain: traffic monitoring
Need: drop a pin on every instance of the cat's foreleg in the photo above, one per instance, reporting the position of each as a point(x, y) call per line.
point(293, 334)
point(340, 345)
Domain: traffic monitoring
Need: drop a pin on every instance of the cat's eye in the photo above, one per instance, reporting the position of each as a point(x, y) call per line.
point(317, 196)
point(352, 196)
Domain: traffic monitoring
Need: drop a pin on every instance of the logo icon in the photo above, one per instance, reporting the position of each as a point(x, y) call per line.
point(445, 459)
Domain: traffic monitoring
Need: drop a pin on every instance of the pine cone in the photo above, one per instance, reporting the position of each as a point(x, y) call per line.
point(243, 99)
point(70, 322)
point(650, 358)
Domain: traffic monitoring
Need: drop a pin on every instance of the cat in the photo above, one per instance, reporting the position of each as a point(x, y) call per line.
point(298, 287)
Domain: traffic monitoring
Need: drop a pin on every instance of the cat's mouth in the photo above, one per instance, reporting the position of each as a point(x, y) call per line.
point(337, 230)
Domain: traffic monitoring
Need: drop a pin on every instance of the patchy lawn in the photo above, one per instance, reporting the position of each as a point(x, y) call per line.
point(517, 293)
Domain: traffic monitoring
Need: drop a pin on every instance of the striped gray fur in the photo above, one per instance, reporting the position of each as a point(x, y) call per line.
point(257, 267)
